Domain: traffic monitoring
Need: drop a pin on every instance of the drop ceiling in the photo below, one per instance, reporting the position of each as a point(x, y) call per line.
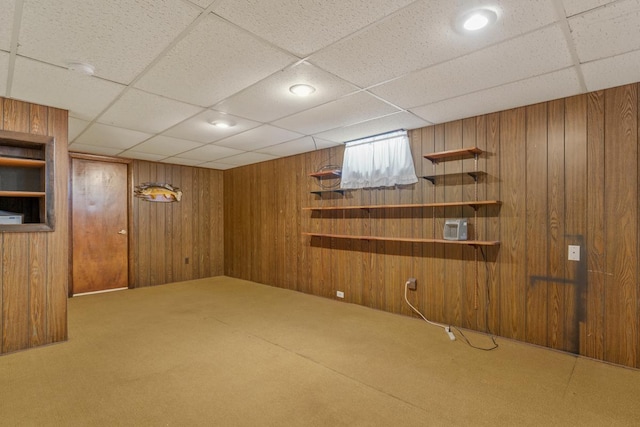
point(165, 69)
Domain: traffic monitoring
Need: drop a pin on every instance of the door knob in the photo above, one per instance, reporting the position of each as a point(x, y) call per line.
point(122, 232)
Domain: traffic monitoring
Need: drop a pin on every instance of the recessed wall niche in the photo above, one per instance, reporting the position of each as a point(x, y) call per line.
point(26, 182)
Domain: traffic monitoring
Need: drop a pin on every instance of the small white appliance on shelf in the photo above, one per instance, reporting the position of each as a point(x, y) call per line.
point(10, 218)
point(455, 229)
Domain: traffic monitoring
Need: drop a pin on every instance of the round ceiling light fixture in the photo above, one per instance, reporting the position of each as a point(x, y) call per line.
point(302, 89)
point(82, 68)
point(476, 19)
point(223, 124)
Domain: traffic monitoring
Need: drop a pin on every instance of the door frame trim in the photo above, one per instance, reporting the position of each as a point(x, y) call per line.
point(130, 235)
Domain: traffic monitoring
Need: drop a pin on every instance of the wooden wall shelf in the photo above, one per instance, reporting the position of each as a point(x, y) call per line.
point(474, 205)
point(463, 153)
point(434, 178)
point(322, 192)
point(329, 174)
point(405, 239)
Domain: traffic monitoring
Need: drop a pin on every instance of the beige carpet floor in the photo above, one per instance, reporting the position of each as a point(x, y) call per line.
point(226, 352)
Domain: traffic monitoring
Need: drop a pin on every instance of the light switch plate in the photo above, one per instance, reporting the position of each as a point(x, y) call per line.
point(574, 253)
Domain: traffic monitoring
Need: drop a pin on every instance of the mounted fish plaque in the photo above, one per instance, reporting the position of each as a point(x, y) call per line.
point(156, 192)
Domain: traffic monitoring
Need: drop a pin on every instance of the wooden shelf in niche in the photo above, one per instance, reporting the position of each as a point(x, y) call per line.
point(463, 153)
point(18, 162)
point(10, 193)
point(405, 239)
point(473, 204)
point(26, 180)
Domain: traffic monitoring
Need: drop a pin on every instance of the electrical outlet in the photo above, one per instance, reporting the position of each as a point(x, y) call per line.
point(574, 253)
point(340, 294)
point(411, 283)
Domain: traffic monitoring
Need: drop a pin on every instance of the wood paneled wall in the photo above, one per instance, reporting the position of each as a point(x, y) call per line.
point(178, 241)
point(33, 266)
point(567, 174)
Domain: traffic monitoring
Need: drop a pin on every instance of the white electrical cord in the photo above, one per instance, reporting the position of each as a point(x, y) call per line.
point(446, 328)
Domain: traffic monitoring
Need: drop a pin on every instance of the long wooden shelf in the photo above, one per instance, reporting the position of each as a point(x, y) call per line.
point(321, 192)
point(472, 174)
point(24, 163)
point(474, 205)
point(5, 193)
point(463, 153)
point(406, 239)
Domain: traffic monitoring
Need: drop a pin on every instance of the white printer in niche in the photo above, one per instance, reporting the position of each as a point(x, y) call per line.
point(10, 218)
point(455, 229)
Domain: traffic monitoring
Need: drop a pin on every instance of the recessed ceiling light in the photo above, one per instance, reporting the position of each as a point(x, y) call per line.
point(82, 68)
point(475, 22)
point(302, 89)
point(223, 124)
point(476, 19)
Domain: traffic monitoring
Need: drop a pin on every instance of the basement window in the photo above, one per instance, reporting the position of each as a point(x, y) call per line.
point(383, 160)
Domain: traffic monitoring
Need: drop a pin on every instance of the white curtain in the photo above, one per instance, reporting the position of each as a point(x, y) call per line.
point(382, 161)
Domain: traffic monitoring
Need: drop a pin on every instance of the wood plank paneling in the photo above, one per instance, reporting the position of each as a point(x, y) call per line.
point(576, 221)
point(513, 214)
point(621, 183)
point(595, 241)
point(566, 172)
point(453, 264)
point(37, 289)
point(537, 224)
point(58, 242)
point(33, 266)
point(557, 254)
point(183, 240)
point(15, 293)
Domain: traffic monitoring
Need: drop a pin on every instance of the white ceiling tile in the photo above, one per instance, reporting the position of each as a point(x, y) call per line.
point(554, 85)
point(208, 153)
point(215, 60)
point(610, 72)
point(6, 23)
point(516, 59)
point(423, 35)
point(111, 137)
point(202, 3)
point(216, 165)
point(118, 37)
point(199, 128)
point(271, 99)
point(607, 31)
point(181, 161)
point(85, 97)
point(76, 126)
point(302, 145)
point(342, 112)
point(165, 146)
point(259, 137)
point(93, 149)
point(146, 112)
point(303, 27)
point(402, 120)
point(131, 154)
point(246, 159)
point(573, 7)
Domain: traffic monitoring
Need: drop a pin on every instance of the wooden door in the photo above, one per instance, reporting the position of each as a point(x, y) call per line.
point(99, 225)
